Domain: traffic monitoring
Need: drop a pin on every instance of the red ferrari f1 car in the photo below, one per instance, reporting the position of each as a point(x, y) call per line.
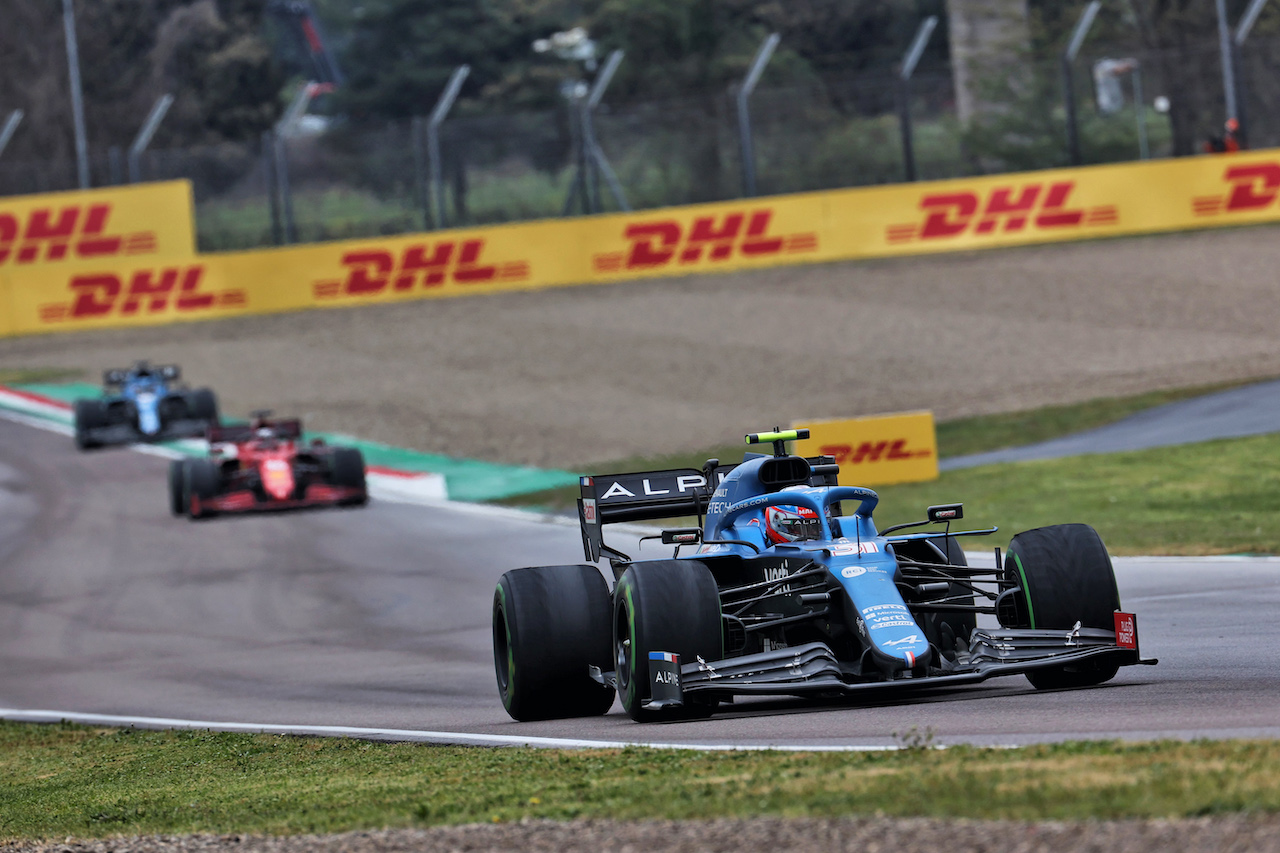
point(265, 465)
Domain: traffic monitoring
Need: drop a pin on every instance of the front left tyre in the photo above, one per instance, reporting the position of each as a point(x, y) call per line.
point(202, 484)
point(346, 468)
point(550, 626)
point(89, 415)
point(663, 606)
point(178, 486)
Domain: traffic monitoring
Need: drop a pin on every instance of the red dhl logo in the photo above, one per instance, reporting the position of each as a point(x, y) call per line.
point(873, 451)
point(373, 271)
point(1009, 210)
point(68, 230)
point(662, 242)
point(1253, 187)
point(145, 292)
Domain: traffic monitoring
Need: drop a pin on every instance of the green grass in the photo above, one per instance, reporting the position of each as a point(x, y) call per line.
point(64, 780)
point(18, 376)
point(1216, 497)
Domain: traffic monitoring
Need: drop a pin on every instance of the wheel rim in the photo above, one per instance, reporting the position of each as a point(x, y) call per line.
point(502, 651)
point(622, 650)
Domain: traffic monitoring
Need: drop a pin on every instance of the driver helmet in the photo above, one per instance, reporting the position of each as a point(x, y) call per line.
point(791, 524)
point(264, 432)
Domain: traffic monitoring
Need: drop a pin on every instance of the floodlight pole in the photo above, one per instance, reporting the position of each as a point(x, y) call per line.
point(909, 63)
point(77, 96)
point(744, 116)
point(10, 128)
point(1068, 83)
point(1234, 46)
point(443, 105)
point(144, 136)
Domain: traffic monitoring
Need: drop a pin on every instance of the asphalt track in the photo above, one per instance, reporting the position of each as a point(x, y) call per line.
point(378, 619)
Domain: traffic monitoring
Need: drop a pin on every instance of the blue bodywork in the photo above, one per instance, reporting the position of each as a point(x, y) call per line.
point(857, 558)
point(145, 391)
point(143, 403)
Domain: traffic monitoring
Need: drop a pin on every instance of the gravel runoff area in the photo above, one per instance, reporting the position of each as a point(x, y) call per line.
point(857, 835)
point(572, 376)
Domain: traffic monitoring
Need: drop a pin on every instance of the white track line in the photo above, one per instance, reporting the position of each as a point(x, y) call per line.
point(415, 735)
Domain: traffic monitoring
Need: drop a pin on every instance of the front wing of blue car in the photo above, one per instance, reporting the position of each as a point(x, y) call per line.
point(813, 670)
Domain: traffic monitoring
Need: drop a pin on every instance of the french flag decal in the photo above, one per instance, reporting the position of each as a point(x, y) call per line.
point(911, 659)
point(669, 657)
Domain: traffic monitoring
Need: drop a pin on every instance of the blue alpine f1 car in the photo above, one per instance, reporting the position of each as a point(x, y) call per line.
point(786, 587)
point(143, 403)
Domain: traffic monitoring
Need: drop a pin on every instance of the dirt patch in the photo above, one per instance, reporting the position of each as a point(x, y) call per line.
point(573, 376)
point(908, 835)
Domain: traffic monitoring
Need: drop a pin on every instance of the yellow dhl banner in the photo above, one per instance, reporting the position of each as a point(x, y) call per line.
point(903, 219)
point(876, 451)
point(100, 226)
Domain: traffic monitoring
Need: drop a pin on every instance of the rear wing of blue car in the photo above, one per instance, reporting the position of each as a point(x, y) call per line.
point(653, 495)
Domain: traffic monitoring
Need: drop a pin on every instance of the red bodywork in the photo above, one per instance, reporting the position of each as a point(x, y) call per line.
point(271, 468)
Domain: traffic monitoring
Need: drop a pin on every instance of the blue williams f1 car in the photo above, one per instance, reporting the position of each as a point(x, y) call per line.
point(143, 403)
point(780, 592)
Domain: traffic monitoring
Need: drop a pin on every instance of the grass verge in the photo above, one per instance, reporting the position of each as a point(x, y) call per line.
point(65, 780)
point(17, 376)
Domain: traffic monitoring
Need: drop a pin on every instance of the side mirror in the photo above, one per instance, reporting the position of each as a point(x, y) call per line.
point(682, 536)
point(945, 512)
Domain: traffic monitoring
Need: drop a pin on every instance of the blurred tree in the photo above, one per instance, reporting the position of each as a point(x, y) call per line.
point(207, 53)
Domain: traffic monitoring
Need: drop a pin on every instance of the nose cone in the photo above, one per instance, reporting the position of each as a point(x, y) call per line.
point(277, 478)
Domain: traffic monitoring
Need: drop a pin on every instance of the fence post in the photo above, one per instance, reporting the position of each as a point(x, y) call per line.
point(421, 187)
point(443, 105)
point(1068, 81)
point(909, 63)
point(744, 117)
point(269, 179)
point(281, 152)
point(10, 127)
point(595, 156)
point(115, 163)
point(77, 95)
point(1247, 20)
point(143, 139)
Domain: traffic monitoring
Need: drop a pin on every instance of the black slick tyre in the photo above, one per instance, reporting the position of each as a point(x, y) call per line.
point(202, 405)
point(663, 606)
point(89, 415)
point(178, 486)
point(346, 468)
point(202, 482)
point(1066, 576)
point(550, 625)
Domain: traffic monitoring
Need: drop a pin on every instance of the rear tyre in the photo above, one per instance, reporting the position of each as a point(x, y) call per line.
point(202, 404)
point(550, 624)
point(346, 466)
point(202, 483)
point(663, 606)
point(89, 415)
point(1066, 576)
point(178, 486)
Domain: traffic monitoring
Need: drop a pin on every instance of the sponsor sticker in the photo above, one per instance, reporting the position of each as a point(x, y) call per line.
point(1126, 630)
